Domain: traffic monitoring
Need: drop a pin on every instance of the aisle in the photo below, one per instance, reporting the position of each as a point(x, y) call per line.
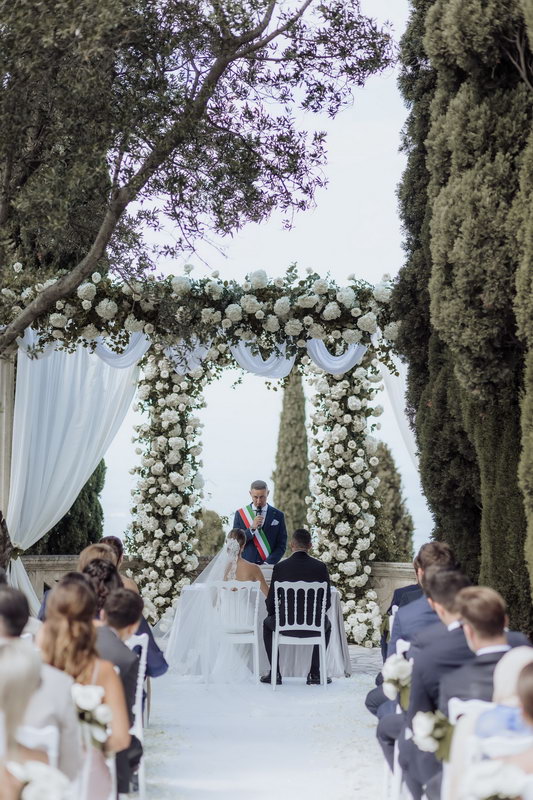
point(250, 743)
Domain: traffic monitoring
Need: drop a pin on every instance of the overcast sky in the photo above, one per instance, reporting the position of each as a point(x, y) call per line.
point(355, 228)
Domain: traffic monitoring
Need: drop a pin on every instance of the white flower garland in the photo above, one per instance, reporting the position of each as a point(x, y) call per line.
point(281, 313)
point(343, 474)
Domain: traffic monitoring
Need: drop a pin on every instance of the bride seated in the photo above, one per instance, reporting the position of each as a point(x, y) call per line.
point(197, 644)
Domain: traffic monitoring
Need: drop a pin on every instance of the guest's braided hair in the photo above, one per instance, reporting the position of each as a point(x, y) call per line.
point(104, 578)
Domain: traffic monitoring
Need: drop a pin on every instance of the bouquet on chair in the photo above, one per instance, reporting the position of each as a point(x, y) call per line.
point(94, 715)
point(397, 673)
point(492, 780)
point(432, 733)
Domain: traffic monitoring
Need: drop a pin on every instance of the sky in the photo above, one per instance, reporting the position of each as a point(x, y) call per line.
point(354, 228)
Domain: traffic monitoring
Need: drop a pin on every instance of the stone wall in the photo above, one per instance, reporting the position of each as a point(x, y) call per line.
point(44, 571)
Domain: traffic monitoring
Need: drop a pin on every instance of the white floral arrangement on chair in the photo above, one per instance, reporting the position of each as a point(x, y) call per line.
point(432, 733)
point(493, 780)
point(397, 672)
point(94, 715)
point(41, 781)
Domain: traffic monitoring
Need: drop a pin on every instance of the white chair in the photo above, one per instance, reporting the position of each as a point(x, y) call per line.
point(46, 739)
point(237, 604)
point(287, 594)
point(137, 727)
point(394, 786)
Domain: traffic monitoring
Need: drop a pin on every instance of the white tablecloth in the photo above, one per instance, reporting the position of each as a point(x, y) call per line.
point(295, 661)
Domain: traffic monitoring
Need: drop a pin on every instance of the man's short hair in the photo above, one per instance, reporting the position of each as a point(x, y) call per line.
point(258, 485)
point(302, 538)
point(443, 585)
point(122, 608)
point(483, 609)
point(435, 554)
point(14, 611)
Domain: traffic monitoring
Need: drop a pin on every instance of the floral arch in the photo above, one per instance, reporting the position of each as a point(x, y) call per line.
point(187, 331)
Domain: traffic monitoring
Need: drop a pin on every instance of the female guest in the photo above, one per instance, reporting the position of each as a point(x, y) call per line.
point(20, 675)
point(104, 578)
point(68, 642)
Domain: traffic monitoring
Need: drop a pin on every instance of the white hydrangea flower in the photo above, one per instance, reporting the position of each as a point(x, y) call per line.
point(346, 297)
point(391, 331)
point(307, 300)
point(249, 304)
point(382, 293)
point(234, 312)
point(320, 286)
point(271, 324)
point(58, 320)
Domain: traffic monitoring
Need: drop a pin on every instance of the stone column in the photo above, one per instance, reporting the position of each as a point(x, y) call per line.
point(7, 407)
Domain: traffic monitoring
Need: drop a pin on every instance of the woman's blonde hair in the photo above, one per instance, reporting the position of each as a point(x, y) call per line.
point(20, 675)
point(69, 641)
point(98, 550)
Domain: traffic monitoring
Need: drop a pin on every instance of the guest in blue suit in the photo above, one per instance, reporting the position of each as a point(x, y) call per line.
point(264, 528)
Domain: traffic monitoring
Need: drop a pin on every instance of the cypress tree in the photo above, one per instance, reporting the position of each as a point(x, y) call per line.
point(211, 537)
point(480, 124)
point(82, 525)
point(448, 465)
point(291, 475)
point(394, 524)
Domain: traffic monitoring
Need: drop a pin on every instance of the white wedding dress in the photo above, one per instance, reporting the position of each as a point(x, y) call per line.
point(197, 645)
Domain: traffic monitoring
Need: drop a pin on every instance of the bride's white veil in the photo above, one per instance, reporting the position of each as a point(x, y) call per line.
point(194, 641)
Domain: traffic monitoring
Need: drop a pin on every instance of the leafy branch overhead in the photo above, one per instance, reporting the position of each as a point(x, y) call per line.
point(186, 107)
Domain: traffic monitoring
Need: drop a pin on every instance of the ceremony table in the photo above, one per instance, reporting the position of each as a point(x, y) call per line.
point(295, 661)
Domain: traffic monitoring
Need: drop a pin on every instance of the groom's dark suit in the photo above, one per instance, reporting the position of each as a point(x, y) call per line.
point(276, 532)
point(299, 567)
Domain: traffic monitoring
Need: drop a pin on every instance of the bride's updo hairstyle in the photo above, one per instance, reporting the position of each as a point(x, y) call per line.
point(69, 641)
point(239, 536)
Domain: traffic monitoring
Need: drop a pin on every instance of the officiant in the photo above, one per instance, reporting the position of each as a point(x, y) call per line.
point(264, 526)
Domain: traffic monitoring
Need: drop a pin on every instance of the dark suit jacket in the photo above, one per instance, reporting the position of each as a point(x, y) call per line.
point(405, 595)
point(276, 533)
point(409, 619)
point(111, 648)
point(156, 664)
point(299, 567)
point(474, 680)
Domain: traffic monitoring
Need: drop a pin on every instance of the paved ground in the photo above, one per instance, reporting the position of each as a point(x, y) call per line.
point(249, 743)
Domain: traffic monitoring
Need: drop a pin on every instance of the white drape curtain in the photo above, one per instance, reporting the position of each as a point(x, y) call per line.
point(68, 408)
point(395, 388)
point(335, 365)
point(275, 366)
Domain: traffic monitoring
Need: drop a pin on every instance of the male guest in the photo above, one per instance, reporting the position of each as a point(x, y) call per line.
point(121, 614)
point(264, 525)
point(299, 567)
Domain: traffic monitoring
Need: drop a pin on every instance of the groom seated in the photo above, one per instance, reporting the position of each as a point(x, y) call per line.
point(299, 567)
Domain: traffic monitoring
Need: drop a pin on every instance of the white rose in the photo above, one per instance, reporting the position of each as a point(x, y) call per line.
point(382, 293)
point(58, 320)
point(346, 297)
point(259, 279)
point(106, 309)
point(282, 306)
point(87, 698)
point(234, 312)
point(350, 336)
point(250, 303)
point(86, 291)
point(271, 324)
point(368, 322)
point(320, 286)
point(331, 311)
point(96, 277)
point(293, 327)
point(307, 300)
point(17, 266)
point(103, 714)
point(180, 285)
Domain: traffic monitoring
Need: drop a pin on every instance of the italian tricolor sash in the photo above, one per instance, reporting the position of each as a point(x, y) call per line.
point(248, 515)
